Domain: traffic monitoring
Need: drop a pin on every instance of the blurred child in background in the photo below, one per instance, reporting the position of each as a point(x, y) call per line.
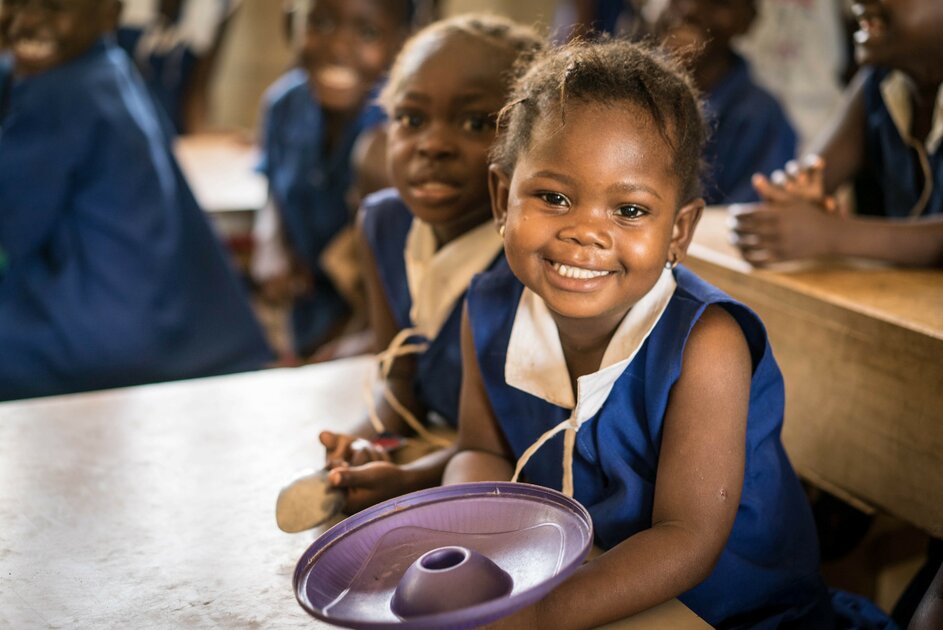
point(749, 130)
point(175, 45)
point(113, 274)
point(889, 132)
point(313, 117)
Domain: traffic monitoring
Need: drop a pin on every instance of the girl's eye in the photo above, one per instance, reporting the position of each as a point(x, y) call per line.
point(368, 33)
point(478, 123)
point(631, 212)
point(321, 24)
point(408, 119)
point(554, 199)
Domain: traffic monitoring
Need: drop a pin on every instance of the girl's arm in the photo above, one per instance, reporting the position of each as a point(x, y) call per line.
point(699, 479)
point(841, 143)
point(482, 454)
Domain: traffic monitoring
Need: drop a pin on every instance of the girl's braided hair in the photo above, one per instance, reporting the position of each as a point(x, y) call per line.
point(608, 72)
point(515, 46)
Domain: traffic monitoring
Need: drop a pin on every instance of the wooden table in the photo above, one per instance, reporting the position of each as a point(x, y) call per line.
point(220, 168)
point(861, 349)
point(153, 506)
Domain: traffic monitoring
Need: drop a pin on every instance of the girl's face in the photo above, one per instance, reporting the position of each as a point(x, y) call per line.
point(902, 34)
point(591, 212)
point(441, 128)
point(705, 26)
point(43, 34)
point(348, 45)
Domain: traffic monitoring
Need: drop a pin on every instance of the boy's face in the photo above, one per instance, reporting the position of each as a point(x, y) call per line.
point(903, 34)
point(441, 129)
point(43, 34)
point(348, 45)
point(706, 26)
point(591, 212)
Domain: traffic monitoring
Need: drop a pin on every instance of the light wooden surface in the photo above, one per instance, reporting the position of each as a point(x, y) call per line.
point(153, 506)
point(220, 169)
point(861, 350)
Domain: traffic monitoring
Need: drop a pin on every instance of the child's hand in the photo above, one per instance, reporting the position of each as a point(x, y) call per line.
point(767, 233)
point(369, 484)
point(800, 181)
point(343, 449)
point(284, 288)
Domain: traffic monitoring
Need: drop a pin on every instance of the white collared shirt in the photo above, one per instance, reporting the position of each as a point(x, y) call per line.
point(535, 362)
point(896, 90)
point(438, 278)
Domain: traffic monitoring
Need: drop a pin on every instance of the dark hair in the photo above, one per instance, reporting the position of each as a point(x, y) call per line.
point(608, 72)
point(519, 45)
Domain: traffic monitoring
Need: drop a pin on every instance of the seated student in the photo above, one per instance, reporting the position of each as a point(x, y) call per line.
point(889, 132)
point(587, 18)
point(175, 44)
point(313, 116)
point(749, 130)
point(426, 238)
point(113, 274)
point(604, 369)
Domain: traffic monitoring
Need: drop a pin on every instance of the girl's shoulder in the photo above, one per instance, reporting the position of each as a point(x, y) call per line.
point(697, 303)
point(293, 84)
point(384, 218)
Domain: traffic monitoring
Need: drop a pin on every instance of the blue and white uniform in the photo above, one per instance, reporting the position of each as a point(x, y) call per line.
point(167, 51)
point(113, 274)
point(309, 188)
point(908, 173)
point(431, 303)
point(750, 133)
point(768, 572)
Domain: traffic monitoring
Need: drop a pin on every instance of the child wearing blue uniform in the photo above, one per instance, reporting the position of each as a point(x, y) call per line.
point(313, 117)
point(750, 132)
point(889, 133)
point(425, 239)
point(604, 370)
point(113, 275)
point(174, 44)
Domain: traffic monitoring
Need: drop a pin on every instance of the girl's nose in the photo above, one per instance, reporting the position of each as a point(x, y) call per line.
point(340, 44)
point(436, 142)
point(587, 229)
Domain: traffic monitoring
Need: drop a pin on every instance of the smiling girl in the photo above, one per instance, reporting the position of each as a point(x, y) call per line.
point(595, 364)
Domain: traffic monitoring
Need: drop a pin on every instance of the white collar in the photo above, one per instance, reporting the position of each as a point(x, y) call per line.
point(536, 364)
point(896, 90)
point(437, 279)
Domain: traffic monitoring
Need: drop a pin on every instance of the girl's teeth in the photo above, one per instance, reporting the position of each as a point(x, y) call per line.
point(577, 272)
point(34, 49)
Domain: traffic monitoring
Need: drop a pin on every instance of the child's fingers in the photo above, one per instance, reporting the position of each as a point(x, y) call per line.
point(338, 447)
point(366, 476)
point(768, 190)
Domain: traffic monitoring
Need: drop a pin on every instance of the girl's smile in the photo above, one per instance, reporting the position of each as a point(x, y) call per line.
point(591, 212)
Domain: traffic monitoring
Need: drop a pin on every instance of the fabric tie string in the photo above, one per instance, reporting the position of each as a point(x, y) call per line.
point(569, 425)
point(397, 348)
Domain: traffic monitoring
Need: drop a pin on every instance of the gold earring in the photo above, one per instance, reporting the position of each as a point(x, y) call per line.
point(501, 230)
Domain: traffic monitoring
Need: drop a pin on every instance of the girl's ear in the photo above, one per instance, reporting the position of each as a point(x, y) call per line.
point(499, 185)
point(683, 230)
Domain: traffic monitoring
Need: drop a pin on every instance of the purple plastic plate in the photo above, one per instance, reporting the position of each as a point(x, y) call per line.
point(534, 535)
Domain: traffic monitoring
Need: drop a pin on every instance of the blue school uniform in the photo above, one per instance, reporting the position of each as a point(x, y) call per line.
point(768, 572)
point(891, 164)
point(167, 55)
point(309, 188)
point(750, 133)
point(386, 224)
point(114, 276)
